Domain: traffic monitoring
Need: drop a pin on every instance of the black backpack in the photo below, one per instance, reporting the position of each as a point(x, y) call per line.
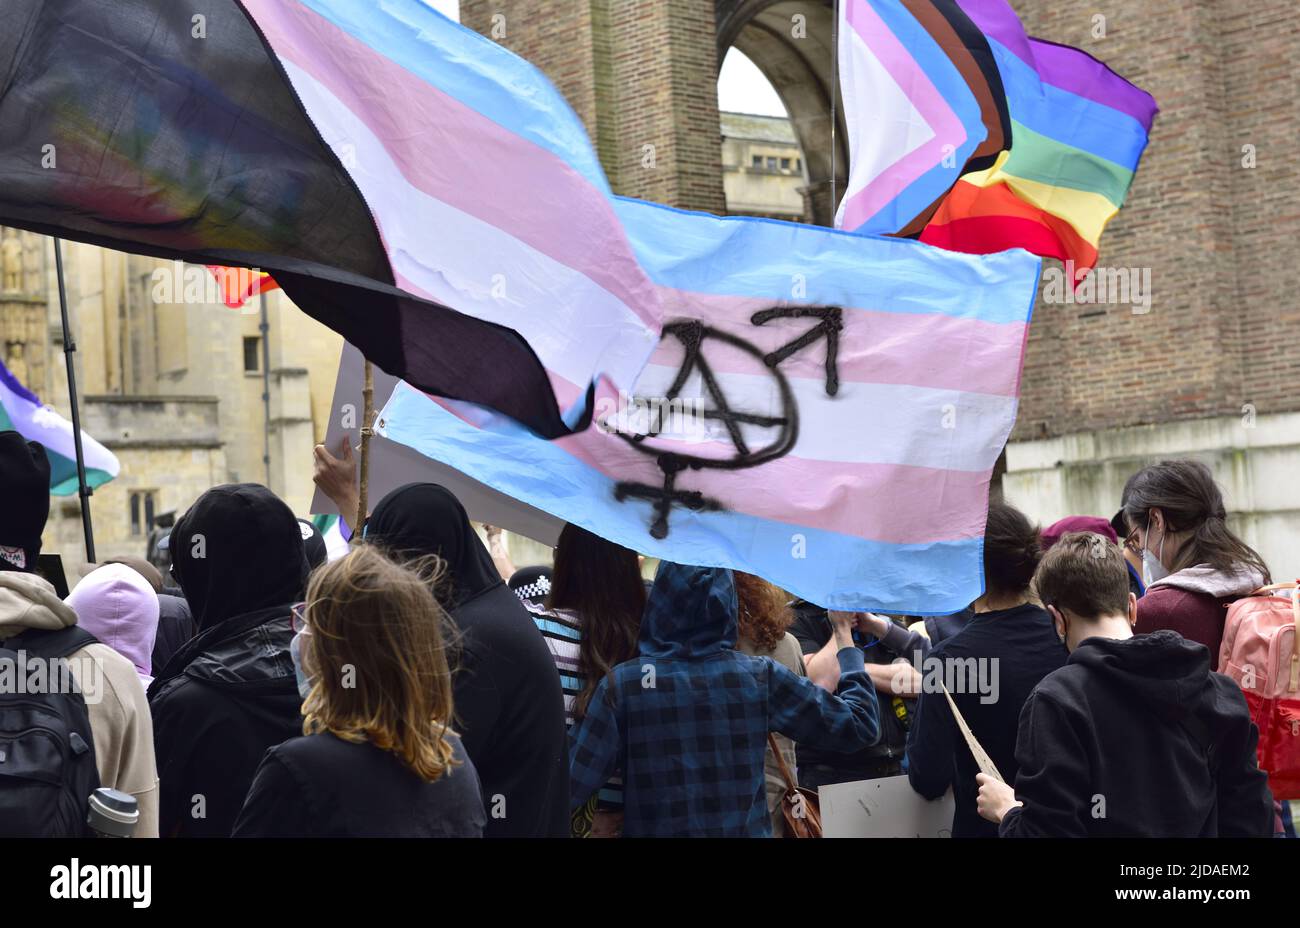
point(47, 751)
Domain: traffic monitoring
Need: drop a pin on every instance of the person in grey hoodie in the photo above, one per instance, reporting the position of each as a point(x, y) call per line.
point(1134, 736)
point(115, 699)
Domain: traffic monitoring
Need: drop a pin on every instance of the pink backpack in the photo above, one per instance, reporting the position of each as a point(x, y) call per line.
point(1259, 651)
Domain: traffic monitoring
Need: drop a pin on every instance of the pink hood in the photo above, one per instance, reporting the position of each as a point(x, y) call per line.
point(120, 608)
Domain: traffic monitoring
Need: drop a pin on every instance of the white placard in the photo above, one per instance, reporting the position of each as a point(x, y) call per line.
point(884, 808)
point(393, 465)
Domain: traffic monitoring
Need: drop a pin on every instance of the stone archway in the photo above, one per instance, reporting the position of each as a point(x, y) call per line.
point(790, 42)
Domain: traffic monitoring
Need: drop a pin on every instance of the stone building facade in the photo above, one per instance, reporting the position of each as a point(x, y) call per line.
point(762, 167)
point(169, 379)
point(1209, 369)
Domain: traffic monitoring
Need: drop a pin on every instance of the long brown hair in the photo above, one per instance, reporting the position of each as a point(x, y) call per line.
point(600, 582)
point(377, 656)
point(1186, 493)
point(764, 614)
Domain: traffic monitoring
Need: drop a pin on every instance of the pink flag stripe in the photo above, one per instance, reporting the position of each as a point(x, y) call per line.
point(894, 503)
point(867, 25)
point(470, 154)
point(918, 349)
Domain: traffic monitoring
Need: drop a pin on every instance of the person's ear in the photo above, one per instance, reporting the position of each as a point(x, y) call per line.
point(1058, 620)
point(1157, 522)
point(1132, 609)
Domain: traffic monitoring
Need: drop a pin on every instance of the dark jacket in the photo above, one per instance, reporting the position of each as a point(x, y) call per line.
point(509, 705)
point(687, 720)
point(230, 692)
point(1012, 648)
point(321, 786)
point(224, 699)
point(812, 629)
point(1138, 739)
point(175, 628)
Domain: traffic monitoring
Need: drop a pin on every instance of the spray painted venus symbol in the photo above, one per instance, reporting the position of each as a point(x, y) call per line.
point(781, 423)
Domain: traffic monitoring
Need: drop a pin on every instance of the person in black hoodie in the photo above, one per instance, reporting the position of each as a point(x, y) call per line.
point(230, 692)
point(1134, 736)
point(509, 705)
point(990, 667)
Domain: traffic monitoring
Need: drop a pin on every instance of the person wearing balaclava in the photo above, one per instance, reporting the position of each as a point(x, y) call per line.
point(230, 692)
point(509, 708)
point(29, 608)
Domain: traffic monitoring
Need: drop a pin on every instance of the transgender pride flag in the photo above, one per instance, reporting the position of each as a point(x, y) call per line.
point(844, 397)
point(22, 412)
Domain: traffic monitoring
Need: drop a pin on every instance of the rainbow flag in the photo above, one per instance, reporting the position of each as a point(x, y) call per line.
point(923, 101)
point(1078, 131)
point(22, 412)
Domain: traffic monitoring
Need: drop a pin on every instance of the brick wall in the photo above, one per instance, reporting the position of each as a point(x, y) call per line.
point(1218, 238)
point(641, 76)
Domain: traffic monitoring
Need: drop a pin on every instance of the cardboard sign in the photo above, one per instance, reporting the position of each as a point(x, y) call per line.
point(982, 759)
point(884, 808)
point(392, 465)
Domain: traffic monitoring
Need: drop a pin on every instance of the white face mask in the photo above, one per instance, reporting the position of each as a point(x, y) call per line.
point(305, 682)
point(1152, 569)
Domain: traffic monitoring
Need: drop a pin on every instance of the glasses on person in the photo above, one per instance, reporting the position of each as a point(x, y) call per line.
point(298, 618)
point(1131, 542)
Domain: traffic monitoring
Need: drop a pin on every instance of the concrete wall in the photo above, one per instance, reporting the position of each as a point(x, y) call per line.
point(1256, 460)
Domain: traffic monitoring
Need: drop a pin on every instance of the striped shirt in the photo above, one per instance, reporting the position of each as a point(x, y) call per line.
point(562, 630)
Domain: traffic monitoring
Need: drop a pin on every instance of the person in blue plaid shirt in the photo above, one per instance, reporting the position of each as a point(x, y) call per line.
point(687, 719)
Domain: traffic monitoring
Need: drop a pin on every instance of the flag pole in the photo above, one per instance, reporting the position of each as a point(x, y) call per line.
point(367, 428)
point(265, 329)
point(835, 92)
point(69, 346)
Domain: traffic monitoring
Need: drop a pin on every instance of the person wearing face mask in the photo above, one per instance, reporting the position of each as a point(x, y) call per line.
point(1192, 564)
point(230, 692)
point(1134, 737)
point(378, 756)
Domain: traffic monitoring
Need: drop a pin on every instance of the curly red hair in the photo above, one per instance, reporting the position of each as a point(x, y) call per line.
point(764, 612)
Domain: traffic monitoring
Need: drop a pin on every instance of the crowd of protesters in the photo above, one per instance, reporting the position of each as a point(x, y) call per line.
point(420, 685)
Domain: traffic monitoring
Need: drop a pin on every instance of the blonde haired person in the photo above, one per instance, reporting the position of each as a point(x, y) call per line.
point(377, 757)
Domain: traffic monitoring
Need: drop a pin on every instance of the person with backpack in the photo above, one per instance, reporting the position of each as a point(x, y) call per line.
point(229, 693)
point(989, 668)
point(378, 756)
point(1134, 736)
point(102, 724)
point(689, 716)
point(1193, 566)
